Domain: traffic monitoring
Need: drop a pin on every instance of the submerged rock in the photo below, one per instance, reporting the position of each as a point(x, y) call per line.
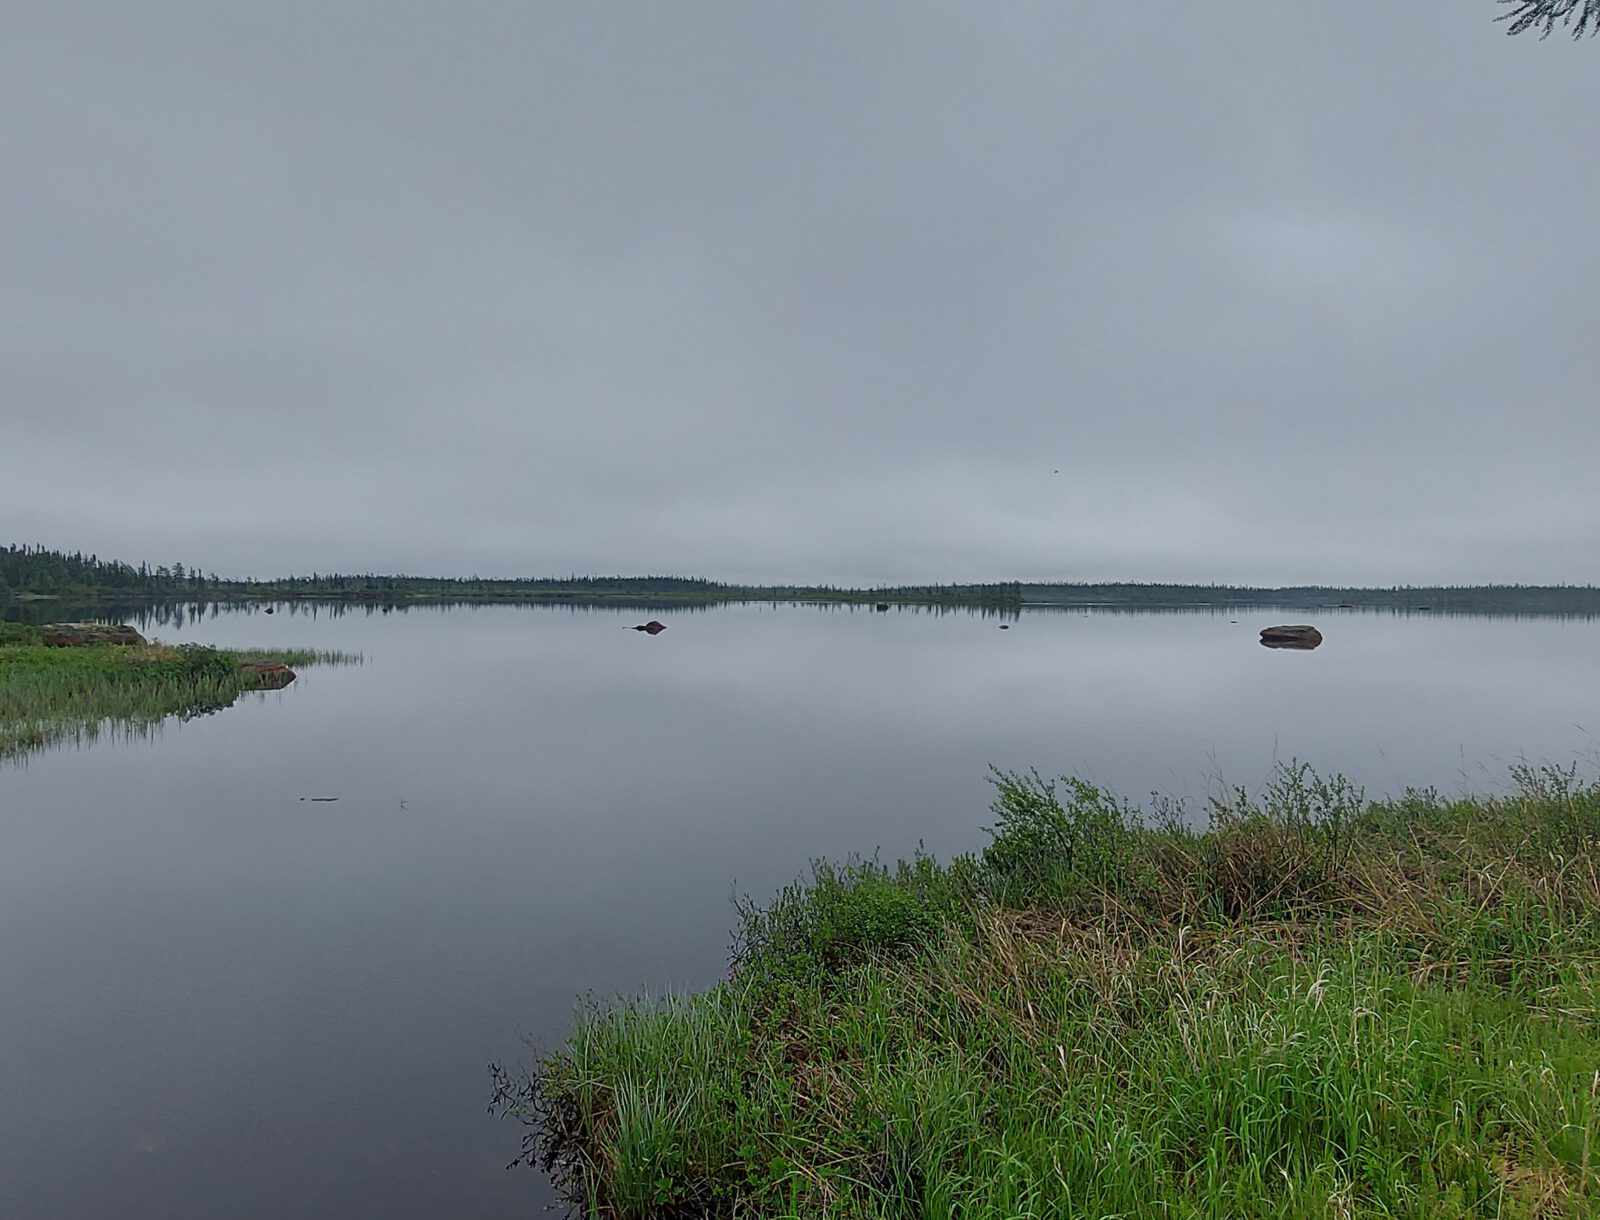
point(76, 635)
point(1297, 636)
point(653, 627)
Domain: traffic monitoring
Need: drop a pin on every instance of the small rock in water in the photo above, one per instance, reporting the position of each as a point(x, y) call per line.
point(653, 627)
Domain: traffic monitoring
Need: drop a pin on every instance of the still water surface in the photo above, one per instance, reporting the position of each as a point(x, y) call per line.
point(218, 999)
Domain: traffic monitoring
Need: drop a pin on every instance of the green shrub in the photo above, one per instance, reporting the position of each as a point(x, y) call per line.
point(204, 661)
point(1286, 850)
point(844, 914)
point(1568, 810)
point(1056, 841)
point(18, 633)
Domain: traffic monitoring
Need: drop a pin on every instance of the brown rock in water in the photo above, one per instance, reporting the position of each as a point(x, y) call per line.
point(881, 607)
point(266, 675)
point(653, 627)
point(1298, 636)
point(76, 635)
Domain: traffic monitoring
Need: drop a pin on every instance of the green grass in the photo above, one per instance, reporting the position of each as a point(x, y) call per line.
point(49, 696)
point(1315, 1006)
point(295, 658)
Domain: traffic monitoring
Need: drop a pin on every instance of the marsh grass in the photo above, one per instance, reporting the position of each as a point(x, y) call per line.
point(52, 696)
point(296, 658)
point(1314, 1006)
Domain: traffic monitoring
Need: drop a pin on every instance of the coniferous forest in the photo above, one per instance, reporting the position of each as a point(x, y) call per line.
point(32, 572)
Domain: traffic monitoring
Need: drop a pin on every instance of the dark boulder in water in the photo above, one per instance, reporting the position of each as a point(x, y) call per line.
point(653, 627)
point(881, 607)
point(76, 635)
point(1298, 636)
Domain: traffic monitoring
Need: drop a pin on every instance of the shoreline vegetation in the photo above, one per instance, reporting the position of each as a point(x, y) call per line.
point(35, 574)
point(53, 695)
point(1315, 1005)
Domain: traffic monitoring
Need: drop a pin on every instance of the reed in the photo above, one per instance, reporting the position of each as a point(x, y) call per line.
point(1314, 1005)
point(296, 658)
point(50, 696)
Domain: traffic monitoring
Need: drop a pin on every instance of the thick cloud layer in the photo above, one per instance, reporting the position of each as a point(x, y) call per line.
point(836, 292)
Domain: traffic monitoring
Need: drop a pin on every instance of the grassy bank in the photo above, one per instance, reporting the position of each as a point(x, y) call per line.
point(1315, 1006)
point(51, 695)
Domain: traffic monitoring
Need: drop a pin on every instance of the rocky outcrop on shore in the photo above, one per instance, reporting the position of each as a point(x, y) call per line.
point(266, 675)
point(77, 635)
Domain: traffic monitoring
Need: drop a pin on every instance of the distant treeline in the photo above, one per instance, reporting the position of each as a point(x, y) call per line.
point(39, 572)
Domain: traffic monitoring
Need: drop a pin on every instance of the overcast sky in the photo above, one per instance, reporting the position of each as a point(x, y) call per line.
point(850, 292)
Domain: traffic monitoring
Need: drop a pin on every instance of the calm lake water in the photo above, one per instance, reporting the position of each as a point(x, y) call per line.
point(220, 999)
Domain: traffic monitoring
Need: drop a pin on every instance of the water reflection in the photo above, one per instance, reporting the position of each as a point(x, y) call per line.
point(279, 1007)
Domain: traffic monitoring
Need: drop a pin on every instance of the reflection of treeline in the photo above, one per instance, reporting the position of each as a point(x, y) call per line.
point(42, 572)
point(1471, 599)
point(176, 613)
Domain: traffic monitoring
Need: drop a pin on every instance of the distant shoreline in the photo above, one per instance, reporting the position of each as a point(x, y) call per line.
point(33, 574)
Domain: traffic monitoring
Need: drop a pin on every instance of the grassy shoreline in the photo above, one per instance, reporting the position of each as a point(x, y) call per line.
point(53, 695)
point(1315, 1006)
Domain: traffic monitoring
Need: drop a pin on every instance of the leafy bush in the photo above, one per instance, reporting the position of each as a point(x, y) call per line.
point(1056, 841)
point(1288, 849)
point(18, 633)
point(1568, 821)
point(844, 914)
point(204, 661)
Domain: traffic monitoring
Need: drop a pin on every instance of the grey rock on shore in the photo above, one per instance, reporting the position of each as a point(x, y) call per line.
point(74, 635)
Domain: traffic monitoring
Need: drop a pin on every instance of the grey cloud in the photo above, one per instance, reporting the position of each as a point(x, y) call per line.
point(821, 292)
